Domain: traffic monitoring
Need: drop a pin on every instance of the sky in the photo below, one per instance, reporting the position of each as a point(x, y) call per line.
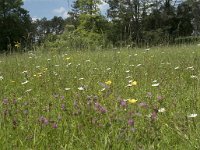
point(50, 8)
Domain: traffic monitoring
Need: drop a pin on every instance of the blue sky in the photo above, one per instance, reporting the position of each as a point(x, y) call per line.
point(49, 8)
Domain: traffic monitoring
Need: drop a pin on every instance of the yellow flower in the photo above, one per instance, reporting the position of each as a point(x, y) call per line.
point(67, 58)
point(132, 101)
point(39, 74)
point(17, 44)
point(45, 69)
point(108, 82)
point(133, 83)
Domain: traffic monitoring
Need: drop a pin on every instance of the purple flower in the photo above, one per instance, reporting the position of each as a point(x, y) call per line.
point(63, 107)
point(54, 125)
point(154, 115)
point(44, 120)
point(123, 103)
point(100, 108)
point(131, 122)
point(14, 101)
point(5, 101)
point(143, 105)
point(97, 105)
point(62, 97)
point(159, 98)
point(41, 119)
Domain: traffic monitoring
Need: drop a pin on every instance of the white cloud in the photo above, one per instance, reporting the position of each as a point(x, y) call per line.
point(61, 12)
point(103, 7)
point(34, 18)
point(65, 15)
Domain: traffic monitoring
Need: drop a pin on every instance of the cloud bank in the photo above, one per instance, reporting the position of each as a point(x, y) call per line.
point(61, 11)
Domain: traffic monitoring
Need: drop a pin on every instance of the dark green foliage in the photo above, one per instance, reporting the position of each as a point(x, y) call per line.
point(44, 28)
point(196, 19)
point(187, 40)
point(184, 16)
point(15, 24)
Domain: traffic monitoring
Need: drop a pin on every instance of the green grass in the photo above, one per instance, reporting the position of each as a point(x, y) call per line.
point(39, 112)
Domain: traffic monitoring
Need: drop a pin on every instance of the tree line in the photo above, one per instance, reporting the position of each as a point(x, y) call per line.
point(128, 22)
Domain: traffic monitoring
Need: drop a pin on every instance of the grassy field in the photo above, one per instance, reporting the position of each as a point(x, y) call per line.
point(133, 99)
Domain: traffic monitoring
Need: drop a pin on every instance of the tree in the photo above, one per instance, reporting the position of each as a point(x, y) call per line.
point(184, 16)
point(45, 28)
point(196, 19)
point(127, 16)
point(15, 23)
point(86, 16)
point(57, 25)
point(87, 13)
point(194, 12)
point(89, 6)
point(73, 18)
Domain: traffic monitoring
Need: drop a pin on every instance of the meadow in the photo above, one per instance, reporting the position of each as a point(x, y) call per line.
point(120, 99)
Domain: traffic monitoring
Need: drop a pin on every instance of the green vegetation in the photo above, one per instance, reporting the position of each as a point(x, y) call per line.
point(114, 99)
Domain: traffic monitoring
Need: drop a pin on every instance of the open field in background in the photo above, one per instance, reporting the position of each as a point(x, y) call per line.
point(115, 99)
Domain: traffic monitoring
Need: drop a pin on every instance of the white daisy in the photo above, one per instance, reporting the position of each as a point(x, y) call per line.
point(193, 77)
point(25, 82)
point(192, 115)
point(81, 88)
point(1, 78)
point(176, 68)
point(138, 65)
point(155, 85)
point(28, 90)
point(67, 89)
point(161, 110)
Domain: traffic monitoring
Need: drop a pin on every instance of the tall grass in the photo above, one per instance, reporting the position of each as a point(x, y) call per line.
point(64, 100)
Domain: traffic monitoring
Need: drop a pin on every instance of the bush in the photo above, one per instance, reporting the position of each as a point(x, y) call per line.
point(78, 39)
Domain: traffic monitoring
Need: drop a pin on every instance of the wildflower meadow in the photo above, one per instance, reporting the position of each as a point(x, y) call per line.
point(119, 99)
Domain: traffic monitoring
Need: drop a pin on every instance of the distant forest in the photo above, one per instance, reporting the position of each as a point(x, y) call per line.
point(128, 23)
